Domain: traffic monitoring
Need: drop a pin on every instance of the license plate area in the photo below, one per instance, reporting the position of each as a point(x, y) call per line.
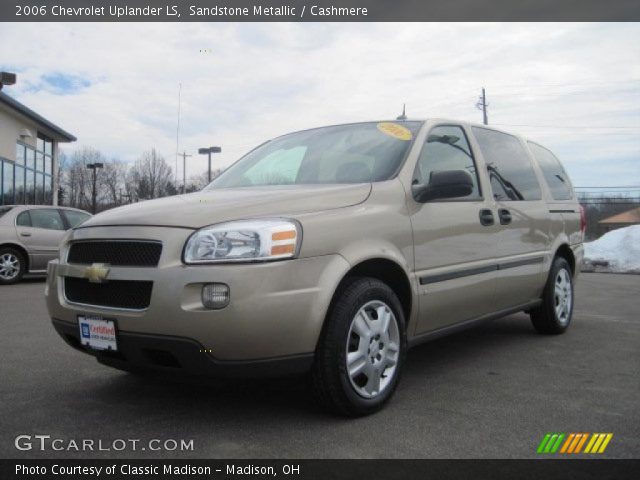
point(98, 333)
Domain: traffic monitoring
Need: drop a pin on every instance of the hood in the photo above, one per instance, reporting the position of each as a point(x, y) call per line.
point(199, 209)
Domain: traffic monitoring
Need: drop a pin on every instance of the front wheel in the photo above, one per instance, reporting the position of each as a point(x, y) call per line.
point(554, 315)
point(362, 349)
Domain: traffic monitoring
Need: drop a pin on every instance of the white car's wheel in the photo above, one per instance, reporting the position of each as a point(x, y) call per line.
point(12, 266)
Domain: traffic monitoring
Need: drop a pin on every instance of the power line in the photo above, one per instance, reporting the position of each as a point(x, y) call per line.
point(568, 126)
point(573, 84)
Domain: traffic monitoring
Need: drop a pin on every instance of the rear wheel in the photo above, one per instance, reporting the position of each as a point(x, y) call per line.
point(360, 354)
point(12, 266)
point(554, 315)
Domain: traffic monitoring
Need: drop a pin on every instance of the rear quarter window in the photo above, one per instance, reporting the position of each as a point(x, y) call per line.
point(510, 169)
point(554, 175)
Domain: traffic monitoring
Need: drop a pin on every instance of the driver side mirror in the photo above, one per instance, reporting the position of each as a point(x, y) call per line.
point(444, 184)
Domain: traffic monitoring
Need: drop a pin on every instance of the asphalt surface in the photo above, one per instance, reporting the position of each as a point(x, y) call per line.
point(490, 392)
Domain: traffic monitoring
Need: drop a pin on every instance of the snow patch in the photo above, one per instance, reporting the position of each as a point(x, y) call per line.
point(617, 251)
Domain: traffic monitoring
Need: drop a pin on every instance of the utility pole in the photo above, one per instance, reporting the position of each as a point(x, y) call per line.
point(404, 114)
point(94, 167)
point(184, 171)
point(482, 105)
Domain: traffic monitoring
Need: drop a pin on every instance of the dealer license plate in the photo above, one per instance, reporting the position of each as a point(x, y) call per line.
point(97, 333)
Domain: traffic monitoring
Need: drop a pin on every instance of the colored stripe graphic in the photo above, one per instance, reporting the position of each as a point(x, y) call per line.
point(543, 443)
point(555, 447)
point(550, 443)
point(581, 443)
point(598, 443)
point(573, 443)
point(567, 443)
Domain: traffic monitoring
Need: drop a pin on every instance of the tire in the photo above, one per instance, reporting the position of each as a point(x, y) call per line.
point(352, 333)
point(554, 315)
point(12, 265)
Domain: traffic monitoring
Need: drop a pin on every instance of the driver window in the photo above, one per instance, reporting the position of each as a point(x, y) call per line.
point(446, 148)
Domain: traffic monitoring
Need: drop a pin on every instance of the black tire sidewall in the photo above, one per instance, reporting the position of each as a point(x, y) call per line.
point(21, 261)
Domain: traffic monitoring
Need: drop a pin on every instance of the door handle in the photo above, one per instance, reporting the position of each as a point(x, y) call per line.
point(486, 217)
point(25, 234)
point(505, 216)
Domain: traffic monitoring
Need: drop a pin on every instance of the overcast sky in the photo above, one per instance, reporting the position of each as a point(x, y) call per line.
point(573, 87)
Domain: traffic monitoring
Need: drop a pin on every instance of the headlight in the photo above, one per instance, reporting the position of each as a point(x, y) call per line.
point(244, 241)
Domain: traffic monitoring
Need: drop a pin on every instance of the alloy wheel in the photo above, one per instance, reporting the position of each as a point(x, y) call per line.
point(563, 296)
point(373, 349)
point(9, 266)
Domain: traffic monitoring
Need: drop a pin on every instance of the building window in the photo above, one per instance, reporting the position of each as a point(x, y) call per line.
point(28, 180)
point(7, 183)
point(20, 154)
point(19, 185)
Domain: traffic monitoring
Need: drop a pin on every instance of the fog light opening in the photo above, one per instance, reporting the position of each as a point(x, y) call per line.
point(215, 295)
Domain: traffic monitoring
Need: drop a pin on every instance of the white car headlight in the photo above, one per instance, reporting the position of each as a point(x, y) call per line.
point(244, 241)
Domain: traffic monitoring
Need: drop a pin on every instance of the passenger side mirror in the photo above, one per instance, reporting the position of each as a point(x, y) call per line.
point(444, 184)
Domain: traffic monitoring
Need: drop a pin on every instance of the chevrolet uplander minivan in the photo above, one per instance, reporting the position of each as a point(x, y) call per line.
point(329, 251)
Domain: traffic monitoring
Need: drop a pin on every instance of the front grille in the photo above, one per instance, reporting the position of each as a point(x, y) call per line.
point(131, 294)
point(126, 253)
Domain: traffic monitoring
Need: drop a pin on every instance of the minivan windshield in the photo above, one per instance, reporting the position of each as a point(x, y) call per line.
point(354, 153)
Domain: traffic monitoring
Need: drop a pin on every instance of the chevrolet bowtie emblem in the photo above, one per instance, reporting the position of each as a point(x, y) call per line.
point(97, 273)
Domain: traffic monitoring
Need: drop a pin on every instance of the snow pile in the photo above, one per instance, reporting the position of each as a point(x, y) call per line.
point(616, 251)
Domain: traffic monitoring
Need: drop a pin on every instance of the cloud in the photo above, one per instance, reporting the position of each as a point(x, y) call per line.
point(115, 86)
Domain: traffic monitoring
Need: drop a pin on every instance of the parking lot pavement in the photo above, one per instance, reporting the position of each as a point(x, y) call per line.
point(492, 391)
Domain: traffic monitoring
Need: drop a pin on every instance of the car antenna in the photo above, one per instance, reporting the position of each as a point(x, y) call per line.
point(403, 116)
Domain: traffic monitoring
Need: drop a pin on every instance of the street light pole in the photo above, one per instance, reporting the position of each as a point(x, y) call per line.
point(184, 172)
point(208, 151)
point(94, 167)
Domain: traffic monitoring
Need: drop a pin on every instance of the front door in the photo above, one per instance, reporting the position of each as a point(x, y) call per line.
point(454, 239)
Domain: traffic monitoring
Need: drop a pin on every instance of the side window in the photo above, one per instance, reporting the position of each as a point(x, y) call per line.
point(510, 170)
point(46, 218)
point(553, 173)
point(446, 148)
point(23, 220)
point(75, 218)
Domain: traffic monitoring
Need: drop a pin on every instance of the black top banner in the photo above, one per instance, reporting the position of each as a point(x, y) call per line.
point(317, 10)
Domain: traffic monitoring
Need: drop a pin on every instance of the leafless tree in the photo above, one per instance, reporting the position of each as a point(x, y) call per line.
point(150, 176)
point(75, 179)
point(112, 181)
point(198, 182)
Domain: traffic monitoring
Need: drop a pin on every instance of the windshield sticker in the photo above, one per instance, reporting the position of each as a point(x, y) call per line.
point(394, 130)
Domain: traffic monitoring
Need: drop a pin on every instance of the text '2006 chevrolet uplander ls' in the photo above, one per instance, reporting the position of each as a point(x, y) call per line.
point(329, 250)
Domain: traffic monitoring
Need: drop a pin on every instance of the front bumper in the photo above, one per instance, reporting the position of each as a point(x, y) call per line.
point(276, 311)
point(138, 352)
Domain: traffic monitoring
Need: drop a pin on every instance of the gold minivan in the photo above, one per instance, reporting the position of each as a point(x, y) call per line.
point(329, 251)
